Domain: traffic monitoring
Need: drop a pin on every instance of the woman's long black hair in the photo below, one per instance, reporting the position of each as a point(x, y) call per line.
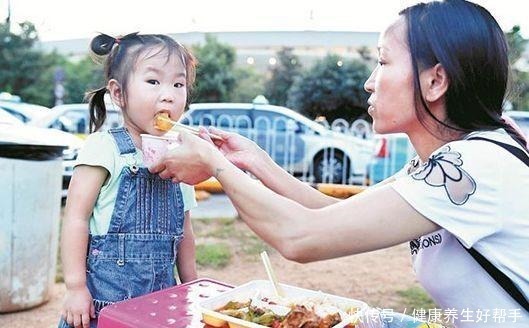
point(470, 45)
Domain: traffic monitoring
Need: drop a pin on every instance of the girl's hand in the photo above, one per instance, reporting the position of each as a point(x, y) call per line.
point(242, 152)
point(190, 162)
point(78, 307)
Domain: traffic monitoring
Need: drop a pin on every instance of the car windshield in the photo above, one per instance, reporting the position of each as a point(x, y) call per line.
point(6, 118)
point(24, 111)
point(75, 118)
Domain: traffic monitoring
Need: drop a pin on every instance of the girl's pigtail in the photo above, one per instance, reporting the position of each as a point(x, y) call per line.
point(97, 108)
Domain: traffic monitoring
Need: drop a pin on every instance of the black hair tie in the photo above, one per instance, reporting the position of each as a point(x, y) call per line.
point(102, 44)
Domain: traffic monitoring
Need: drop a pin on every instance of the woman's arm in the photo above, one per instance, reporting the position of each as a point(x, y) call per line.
point(372, 220)
point(247, 155)
point(186, 260)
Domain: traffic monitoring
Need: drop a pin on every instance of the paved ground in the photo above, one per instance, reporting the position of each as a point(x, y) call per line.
point(216, 206)
point(374, 277)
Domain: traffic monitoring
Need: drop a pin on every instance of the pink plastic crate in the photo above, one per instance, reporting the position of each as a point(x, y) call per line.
point(171, 307)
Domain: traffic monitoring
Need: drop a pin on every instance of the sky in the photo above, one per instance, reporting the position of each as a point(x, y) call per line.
point(71, 19)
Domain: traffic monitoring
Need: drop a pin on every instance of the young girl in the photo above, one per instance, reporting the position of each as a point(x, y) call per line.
point(125, 228)
point(462, 203)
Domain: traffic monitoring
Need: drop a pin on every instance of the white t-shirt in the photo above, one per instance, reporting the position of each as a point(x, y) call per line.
point(479, 194)
point(100, 149)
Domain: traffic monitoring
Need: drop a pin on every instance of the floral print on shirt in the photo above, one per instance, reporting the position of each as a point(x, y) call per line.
point(443, 169)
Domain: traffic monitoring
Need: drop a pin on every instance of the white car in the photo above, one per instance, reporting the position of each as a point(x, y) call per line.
point(300, 145)
point(75, 118)
point(13, 130)
point(24, 111)
point(6, 118)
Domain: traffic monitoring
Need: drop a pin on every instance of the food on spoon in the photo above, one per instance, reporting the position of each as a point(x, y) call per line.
point(163, 122)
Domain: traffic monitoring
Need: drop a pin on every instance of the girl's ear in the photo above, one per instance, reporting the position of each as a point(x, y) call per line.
point(116, 93)
point(434, 83)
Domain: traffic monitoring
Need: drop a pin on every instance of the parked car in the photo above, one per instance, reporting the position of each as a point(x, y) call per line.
point(392, 152)
point(7, 118)
point(300, 145)
point(24, 111)
point(75, 118)
point(11, 125)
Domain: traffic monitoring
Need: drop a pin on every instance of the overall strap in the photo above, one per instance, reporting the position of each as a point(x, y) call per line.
point(501, 278)
point(123, 140)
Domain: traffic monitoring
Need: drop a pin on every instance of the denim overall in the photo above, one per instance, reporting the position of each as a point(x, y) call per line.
point(137, 255)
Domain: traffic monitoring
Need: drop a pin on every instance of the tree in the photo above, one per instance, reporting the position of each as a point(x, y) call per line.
point(333, 88)
point(283, 74)
point(81, 77)
point(519, 91)
point(365, 53)
point(249, 84)
point(24, 70)
point(215, 72)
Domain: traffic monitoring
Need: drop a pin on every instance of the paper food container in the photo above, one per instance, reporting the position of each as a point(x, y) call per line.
point(154, 148)
point(265, 290)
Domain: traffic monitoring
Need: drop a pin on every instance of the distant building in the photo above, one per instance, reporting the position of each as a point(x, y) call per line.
point(259, 48)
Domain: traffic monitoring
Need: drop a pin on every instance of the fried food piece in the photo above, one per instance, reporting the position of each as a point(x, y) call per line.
point(163, 122)
point(301, 317)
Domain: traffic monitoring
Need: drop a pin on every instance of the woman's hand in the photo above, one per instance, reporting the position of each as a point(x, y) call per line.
point(190, 162)
point(78, 307)
point(242, 152)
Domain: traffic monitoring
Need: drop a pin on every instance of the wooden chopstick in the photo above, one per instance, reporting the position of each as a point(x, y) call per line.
point(195, 131)
point(271, 276)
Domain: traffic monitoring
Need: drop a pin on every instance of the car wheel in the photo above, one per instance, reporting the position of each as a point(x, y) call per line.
point(331, 166)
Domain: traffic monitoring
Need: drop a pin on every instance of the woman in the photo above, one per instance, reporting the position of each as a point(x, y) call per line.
point(441, 79)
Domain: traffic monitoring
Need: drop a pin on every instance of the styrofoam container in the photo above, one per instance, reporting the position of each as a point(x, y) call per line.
point(244, 292)
point(154, 147)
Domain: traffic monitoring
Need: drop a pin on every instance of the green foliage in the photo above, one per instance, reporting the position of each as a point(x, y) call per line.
point(331, 90)
point(28, 72)
point(24, 70)
point(81, 77)
point(254, 245)
point(249, 84)
point(218, 228)
point(283, 74)
point(516, 43)
point(213, 255)
point(215, 73)
point(365, 54)
point(519, 90)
